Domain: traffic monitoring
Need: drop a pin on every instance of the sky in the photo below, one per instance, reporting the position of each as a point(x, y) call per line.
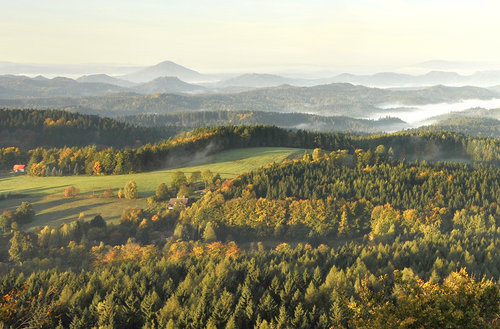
point(250, 34)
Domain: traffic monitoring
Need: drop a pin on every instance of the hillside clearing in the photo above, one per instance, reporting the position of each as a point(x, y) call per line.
point(46, 193)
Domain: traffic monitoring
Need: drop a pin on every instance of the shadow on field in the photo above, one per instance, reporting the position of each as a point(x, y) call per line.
point(48, 203)
point(41, 190)
point(65, 214)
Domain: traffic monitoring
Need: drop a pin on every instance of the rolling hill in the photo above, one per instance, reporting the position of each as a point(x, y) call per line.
point(333, 99)
point(283, 120)
point(168, 85)
point(29, 129)
point(104, 78)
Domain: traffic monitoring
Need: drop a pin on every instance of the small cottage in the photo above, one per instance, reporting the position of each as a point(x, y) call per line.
point(173, 201)
point(18, 168)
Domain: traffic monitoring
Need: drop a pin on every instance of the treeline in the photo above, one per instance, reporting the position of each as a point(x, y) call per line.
point(203, 141)
point(28, 129)
point(284, 120)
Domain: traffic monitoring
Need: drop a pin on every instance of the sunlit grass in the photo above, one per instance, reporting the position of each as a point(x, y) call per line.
point(46, 193)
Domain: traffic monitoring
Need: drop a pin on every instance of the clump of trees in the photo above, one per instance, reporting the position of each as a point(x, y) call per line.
point(11, 220)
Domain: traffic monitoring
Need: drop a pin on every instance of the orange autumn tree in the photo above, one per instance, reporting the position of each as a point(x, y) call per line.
point(71, 192)
point(97, 168)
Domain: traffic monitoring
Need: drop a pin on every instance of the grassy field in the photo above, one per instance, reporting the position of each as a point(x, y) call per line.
point(46, 193)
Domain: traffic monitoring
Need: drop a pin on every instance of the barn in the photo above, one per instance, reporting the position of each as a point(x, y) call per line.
point(18, 168)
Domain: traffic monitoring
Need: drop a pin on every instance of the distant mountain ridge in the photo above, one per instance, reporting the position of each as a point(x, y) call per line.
point(332, 99)
point(256, 80)
point(381, 79)
point(13, 86)
point(391, 79)
point(72, 70)
point(263, 80)
point(104, 78)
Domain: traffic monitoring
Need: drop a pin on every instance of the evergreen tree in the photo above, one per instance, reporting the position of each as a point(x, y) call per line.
point(130, 191)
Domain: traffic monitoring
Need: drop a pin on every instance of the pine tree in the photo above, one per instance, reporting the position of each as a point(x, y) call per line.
point(209, 234)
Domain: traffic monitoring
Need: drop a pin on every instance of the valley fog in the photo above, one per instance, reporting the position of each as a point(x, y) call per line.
point(418, 115)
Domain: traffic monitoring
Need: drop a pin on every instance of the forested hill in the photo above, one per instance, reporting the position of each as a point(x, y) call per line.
point(327, 195)
point(344, 238)
point(432, 146)
point(335, 240)
point(331, 99)
point(472, 126)
point(52, 128)
point(284, 120)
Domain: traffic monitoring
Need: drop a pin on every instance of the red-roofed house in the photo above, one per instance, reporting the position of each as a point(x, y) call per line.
point(18, 168)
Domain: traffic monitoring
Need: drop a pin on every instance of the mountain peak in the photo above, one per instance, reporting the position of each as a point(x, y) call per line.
point(165, 68)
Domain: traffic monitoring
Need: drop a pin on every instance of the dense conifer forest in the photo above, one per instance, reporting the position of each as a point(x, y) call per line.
point(358, 233)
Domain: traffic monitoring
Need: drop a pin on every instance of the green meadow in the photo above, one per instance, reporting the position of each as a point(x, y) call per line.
point(52, 208)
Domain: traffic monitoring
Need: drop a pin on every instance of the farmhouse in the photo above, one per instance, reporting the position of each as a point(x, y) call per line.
point(18, 168)
point(174, 201)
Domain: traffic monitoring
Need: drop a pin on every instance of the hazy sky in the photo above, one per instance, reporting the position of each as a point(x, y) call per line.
point(246, 34)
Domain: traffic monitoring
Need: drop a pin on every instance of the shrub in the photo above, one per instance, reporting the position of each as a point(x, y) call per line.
point(108, 193)
point(71, 192)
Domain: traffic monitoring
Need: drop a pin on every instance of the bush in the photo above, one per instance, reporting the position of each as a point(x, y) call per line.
point(71, 192)
point(108, 193)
